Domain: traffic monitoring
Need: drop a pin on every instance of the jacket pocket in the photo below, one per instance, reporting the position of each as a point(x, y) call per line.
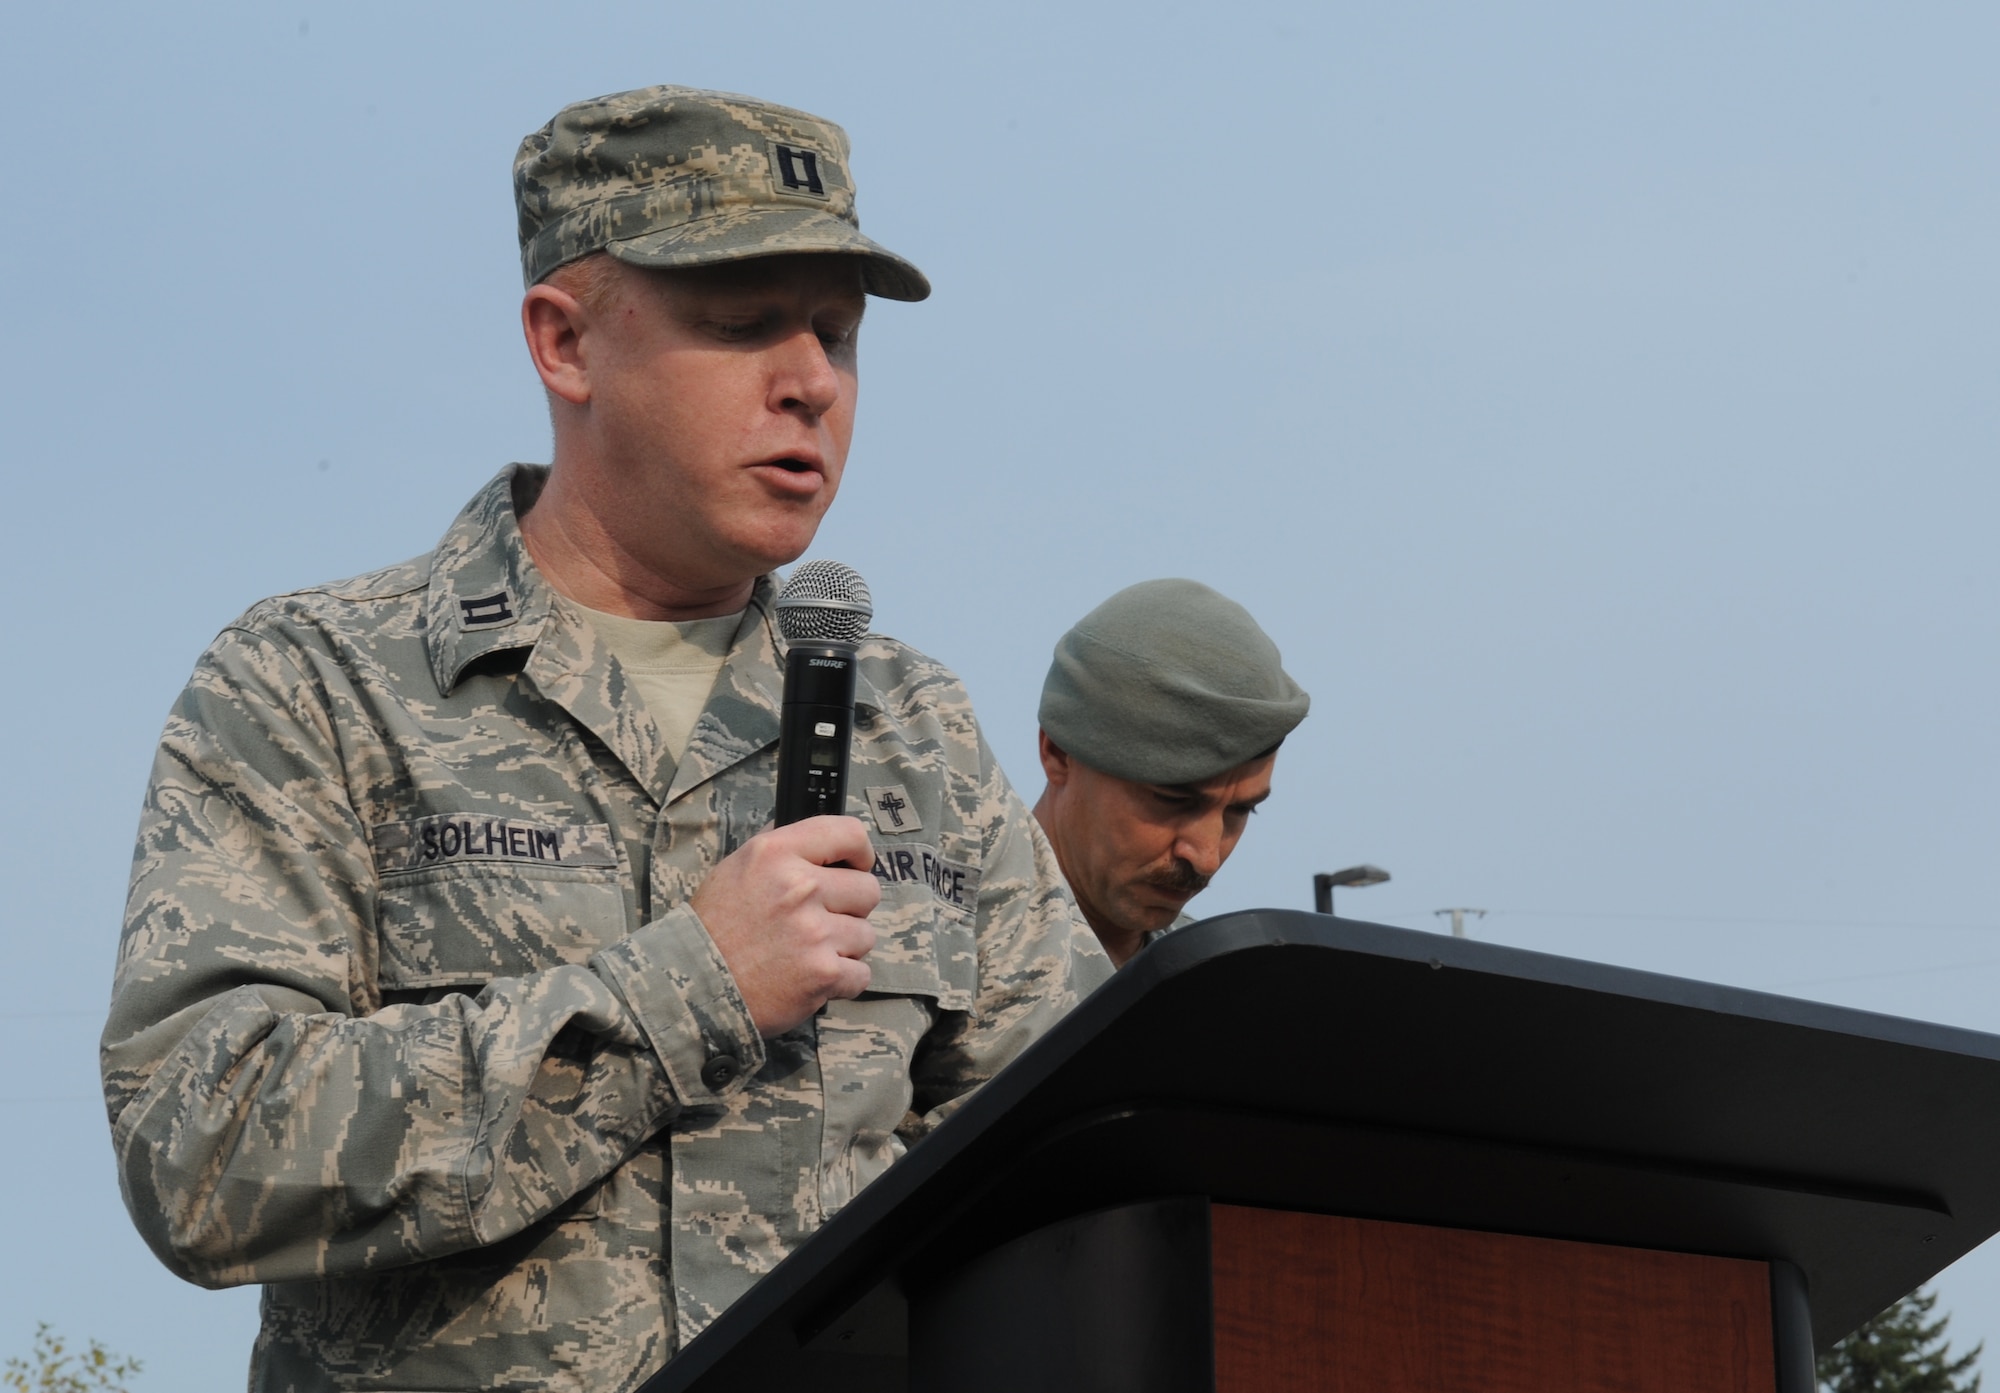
point(866, 1048)
point(924, 927)
point(464, 925)
point(925, 961)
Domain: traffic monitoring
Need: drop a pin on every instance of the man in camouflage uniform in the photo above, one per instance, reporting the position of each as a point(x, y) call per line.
point(466, 999)
point(1161, 719)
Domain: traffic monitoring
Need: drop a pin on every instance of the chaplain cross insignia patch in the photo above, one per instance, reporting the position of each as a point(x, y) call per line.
point(891, 809)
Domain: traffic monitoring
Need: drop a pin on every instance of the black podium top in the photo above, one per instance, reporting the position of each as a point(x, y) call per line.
point(1303, 1062)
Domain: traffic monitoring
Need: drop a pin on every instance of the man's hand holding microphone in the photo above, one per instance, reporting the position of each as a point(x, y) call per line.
point(788, 910)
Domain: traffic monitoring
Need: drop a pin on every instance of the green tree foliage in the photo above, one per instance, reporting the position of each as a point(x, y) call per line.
point(1900, 1351)
point(54, 1367)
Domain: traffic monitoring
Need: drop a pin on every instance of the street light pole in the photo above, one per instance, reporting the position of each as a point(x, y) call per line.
point(1356, 876)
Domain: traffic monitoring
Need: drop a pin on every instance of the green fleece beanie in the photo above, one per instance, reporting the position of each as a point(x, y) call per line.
point(1168, 682)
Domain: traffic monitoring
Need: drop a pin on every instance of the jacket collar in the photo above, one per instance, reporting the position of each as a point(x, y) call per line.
point(486, 596)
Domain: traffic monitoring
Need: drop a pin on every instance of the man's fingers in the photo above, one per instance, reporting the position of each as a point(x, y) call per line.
point(854, 979)
point(849, 892)
point(850, 937)
point(830, 840)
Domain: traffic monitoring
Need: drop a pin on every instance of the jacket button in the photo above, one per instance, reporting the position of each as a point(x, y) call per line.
point(720, 1072)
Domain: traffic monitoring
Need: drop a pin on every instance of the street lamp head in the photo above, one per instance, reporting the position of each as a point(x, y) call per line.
point(1325, 881)
point(1353, 875)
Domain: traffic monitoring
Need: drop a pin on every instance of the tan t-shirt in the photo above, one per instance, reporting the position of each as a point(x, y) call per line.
point(671, 665)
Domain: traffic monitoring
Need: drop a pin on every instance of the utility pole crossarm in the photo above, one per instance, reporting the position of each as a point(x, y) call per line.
point(1458, 918)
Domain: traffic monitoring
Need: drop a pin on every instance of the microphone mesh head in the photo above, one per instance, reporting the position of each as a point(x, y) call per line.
point(825, 602)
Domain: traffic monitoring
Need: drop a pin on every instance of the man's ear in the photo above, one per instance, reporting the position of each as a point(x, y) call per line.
point(1055, 760)
point(554, 322)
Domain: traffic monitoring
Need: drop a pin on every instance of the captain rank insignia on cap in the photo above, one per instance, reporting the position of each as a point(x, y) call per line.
point(890, 806)
point(798, 169)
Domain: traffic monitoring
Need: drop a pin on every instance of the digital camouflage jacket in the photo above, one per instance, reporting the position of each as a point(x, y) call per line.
point(413, 1022)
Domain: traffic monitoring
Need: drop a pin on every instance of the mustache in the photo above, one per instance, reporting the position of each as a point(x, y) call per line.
point(1178, 879)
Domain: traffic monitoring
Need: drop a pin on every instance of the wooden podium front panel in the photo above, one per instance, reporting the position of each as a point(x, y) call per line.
point(1332, 1305)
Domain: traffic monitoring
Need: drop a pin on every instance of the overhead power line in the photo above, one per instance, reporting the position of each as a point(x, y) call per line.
point(1987, 925)
point(1878, 976)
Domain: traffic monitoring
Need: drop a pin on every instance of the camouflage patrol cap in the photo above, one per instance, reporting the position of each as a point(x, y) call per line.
point(1168, 682)
point(672, 176)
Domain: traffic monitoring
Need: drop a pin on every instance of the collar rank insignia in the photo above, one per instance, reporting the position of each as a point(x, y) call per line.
point(486, 612)
point(892, 810)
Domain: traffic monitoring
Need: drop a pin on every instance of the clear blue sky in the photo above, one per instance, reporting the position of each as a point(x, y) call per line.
point(1597, 403)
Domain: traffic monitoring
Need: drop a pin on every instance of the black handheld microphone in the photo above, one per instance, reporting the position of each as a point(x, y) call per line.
point(823, 611)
